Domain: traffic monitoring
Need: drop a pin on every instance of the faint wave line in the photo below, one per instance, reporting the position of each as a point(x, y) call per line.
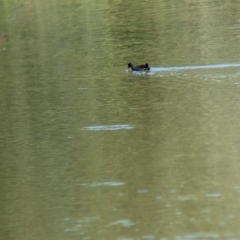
point(106, 184)
point(197, 236)
point(108, 127)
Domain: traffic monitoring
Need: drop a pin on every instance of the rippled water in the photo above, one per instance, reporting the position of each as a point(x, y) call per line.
point(90, 151)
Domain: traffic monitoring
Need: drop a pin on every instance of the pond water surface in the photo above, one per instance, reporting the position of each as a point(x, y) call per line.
point(90, 151)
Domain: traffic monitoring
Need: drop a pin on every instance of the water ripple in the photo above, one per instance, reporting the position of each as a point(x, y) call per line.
point(123, 222)
point(107, 184)
point(197, 235)
point(108, 127)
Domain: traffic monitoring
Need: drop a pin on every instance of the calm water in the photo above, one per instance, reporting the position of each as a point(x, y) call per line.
point(89, 151)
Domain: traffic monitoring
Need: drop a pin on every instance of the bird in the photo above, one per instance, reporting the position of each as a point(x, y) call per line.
point(143, 67)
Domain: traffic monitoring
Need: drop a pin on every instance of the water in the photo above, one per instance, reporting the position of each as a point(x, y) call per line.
point(90, 151)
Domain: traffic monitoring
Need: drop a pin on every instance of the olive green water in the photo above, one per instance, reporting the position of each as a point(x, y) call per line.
point(88, 151)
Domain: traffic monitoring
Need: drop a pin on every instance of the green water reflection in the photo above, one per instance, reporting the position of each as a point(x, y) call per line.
point(89, 151)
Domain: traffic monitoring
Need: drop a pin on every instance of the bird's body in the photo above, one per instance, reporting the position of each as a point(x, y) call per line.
point(143, 67)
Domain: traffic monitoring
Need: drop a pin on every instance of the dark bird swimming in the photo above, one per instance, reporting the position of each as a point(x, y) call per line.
point(143, 67)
